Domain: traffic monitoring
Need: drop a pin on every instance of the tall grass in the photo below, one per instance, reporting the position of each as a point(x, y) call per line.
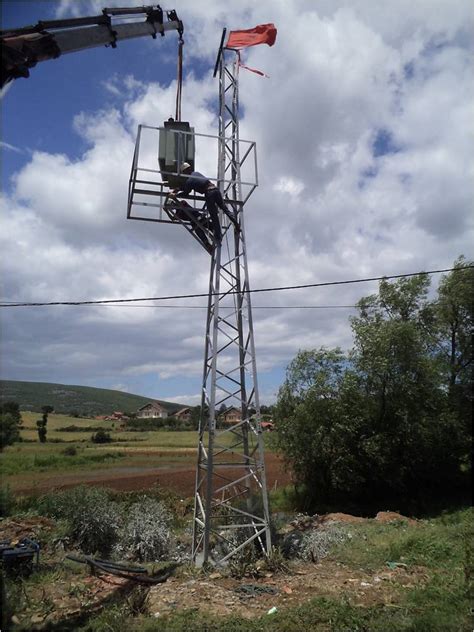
point(12, 463)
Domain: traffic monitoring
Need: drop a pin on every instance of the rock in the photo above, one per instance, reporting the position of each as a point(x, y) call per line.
point(37, 618)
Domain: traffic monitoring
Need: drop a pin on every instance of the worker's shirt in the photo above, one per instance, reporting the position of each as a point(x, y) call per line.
point(195, 182)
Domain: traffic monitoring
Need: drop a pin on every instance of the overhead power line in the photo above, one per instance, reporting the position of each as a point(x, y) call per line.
point(205, 295)
point(224, 307)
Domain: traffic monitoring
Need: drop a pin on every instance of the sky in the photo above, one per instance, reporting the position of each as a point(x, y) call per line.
point(364, 135)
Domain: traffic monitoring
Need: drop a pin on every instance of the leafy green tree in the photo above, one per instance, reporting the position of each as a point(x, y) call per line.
point(387, 422)
point(452, 328)
point(10, 421)
point(411, 446)
point(42, 423)
point(454, 310)
point(318, 425)
point(101, 436)
point(196, 416)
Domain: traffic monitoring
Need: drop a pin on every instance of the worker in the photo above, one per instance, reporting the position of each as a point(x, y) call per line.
point(195, 181)
point(183, 211)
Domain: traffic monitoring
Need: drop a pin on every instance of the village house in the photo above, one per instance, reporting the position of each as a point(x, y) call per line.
point(231, 416)
point(184, 414)
point(152, 410)
point(115, 416)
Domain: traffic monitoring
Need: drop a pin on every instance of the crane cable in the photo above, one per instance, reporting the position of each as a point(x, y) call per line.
point(179, 78)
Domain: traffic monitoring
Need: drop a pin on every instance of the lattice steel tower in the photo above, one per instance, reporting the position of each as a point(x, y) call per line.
point(231, 501)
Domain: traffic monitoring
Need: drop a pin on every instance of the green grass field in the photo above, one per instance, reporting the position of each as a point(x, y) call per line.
point(56, 423)
point(127, 451)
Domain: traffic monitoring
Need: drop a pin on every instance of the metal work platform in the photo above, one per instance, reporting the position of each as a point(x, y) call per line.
point(148, 190)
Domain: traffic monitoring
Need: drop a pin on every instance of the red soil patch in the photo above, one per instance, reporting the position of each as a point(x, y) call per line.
point(393, 516)
point(180, 479)
point(342, 517)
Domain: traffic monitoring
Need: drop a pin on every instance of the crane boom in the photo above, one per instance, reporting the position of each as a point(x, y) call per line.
point(23, 48)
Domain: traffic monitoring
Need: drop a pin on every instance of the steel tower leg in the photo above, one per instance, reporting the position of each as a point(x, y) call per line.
point(231, 502)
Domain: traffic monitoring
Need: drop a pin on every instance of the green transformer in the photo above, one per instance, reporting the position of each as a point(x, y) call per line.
point(176, 146)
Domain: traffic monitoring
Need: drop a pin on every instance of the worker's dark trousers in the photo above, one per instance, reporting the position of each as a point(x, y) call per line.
point(214, 201)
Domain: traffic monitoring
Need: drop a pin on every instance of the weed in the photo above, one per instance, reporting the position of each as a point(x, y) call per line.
point(276, 562)
point(111, 619)
point(71, 450)
point(15, 463)
point(93, 520)
point(7, 501)
point(137, 601)
point(434, 543)
point(146, 534)
point(317, 543)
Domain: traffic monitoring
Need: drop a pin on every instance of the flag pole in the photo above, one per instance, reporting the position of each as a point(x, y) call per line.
point(216, 67)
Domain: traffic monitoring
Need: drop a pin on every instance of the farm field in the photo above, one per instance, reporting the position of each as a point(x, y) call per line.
point(133, 460)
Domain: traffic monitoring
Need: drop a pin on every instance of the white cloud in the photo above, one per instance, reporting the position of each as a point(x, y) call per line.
point(327, 207)
point(9, 147)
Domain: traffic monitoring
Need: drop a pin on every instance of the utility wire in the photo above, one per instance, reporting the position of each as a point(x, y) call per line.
point(267, 289)
point(225, 307)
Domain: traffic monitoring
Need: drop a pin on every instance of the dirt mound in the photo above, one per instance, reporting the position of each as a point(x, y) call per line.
point(393, 516)
point(342, 517)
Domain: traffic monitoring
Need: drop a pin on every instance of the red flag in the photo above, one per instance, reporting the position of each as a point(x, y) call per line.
point(261, 34)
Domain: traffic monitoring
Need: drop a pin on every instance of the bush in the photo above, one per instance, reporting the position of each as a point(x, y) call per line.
point(93, 519)
point(70, 451)
point(317, 543)
point(7, 501)
point(143, 425)
point(74, 428)
point(146, 535)
point(9, 429)
point(101, 437)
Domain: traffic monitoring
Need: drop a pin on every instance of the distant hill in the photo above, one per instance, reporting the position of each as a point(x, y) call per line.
point(67, 399)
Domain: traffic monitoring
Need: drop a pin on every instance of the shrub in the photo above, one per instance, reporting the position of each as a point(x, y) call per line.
point(96, 527)
point(317, 543)
point(146, 535)
point(93, 519)
point(70, 451)
point(9, 429)
point(7, 501)
point(101, 437)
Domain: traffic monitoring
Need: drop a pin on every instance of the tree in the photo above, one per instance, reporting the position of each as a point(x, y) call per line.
point(42, 423)
point(317, 430)
point(453, 327)
point(101, 436)
point(195, 416)
point(388, 421)
point(10, 421)
point(411, 446)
